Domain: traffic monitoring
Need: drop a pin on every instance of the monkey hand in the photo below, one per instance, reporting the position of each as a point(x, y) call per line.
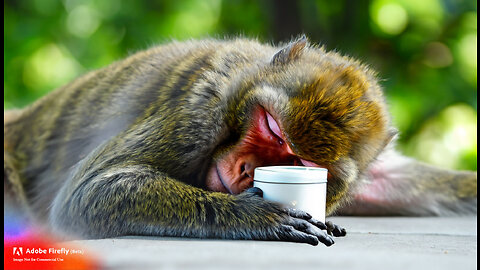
point(299, 226)
point(335, 230)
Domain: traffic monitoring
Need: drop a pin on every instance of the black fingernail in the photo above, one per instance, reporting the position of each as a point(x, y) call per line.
point(329, 243)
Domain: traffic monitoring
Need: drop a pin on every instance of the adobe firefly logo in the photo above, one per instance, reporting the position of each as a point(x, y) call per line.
point(17, 251)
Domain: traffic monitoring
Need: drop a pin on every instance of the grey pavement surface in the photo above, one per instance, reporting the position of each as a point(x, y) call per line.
point(371, 243)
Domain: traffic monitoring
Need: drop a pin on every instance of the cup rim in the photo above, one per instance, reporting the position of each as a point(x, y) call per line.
point(290, 174)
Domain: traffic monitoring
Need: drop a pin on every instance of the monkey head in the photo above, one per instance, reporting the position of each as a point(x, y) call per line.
point(305, 107)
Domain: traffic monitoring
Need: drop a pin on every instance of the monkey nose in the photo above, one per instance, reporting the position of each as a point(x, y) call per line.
point(246, 169)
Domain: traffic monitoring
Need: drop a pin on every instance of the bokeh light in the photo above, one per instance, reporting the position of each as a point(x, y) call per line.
point(188, 22)
point(391, 18)
point(82, 21)
point(467, 56)
point(448, 139)
point(437, 55)
point(49, 66)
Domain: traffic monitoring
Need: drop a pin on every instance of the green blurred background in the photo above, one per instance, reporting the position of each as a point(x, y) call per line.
point(424, 50)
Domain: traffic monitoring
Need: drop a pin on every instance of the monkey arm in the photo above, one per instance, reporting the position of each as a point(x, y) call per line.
point(141, 201)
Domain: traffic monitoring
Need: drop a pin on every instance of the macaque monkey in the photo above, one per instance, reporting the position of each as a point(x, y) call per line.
point(165, 143)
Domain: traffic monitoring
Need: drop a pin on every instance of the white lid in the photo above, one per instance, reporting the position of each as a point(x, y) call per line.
point(290, 174)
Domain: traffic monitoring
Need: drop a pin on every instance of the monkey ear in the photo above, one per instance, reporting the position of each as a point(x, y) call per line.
point(391, 137)
point(290, 52)
point(392, 134)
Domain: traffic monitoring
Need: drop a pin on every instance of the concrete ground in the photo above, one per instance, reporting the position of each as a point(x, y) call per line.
point(371, 243)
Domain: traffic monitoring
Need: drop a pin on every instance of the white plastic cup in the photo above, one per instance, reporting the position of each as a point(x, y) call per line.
point(302, 188)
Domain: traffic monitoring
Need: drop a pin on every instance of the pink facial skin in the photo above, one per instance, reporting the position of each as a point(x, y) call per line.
point(263, 145)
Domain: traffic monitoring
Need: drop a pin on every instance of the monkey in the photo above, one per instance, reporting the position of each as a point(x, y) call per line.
point(165, 143)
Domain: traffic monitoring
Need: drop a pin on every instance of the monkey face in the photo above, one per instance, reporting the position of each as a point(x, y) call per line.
point(264, 144)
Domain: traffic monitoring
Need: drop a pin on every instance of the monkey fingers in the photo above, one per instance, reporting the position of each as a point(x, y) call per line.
point(289, 233)
point(335, 230)
point(304, 230)
point(298, 214)
point(331, 228)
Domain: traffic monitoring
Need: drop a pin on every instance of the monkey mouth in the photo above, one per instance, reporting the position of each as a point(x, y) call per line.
point(222, 181)
point(216, 182)
point(234, 183)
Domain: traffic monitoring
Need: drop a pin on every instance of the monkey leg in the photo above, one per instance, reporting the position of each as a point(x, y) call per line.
point(137, 200)
point(398, 185)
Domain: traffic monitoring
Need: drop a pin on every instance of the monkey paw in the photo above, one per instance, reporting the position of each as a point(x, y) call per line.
point(299, 226)
point(335, 230)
